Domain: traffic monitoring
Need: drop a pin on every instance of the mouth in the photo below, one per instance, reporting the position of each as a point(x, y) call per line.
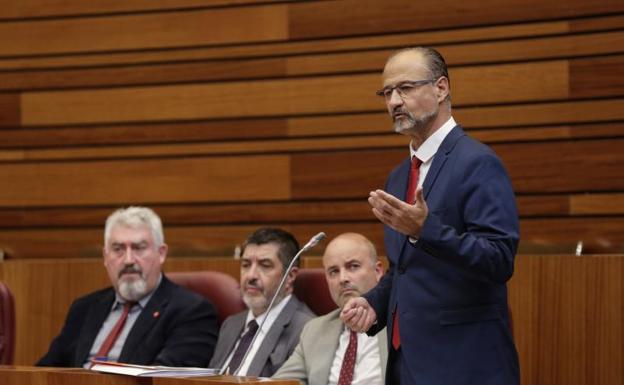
point(348, 291)
point(398, 115)
point(252, 290)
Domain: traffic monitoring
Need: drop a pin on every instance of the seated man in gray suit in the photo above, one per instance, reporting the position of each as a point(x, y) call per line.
point(328, 352)
point(266, 255)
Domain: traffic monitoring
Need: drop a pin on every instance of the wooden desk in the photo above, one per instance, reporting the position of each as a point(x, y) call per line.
point(30, 375)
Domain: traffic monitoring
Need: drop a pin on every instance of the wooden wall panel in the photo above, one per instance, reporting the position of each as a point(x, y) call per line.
point(47, 8)
point(148, 181)
point(9, 110)
point(142, 31)
point(354, 17)
point(568, 317)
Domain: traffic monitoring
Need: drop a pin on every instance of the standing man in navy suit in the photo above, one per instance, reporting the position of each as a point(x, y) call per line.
point(451, 233)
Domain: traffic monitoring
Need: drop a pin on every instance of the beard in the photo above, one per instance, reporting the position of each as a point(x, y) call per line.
point(259, 303)
point(132, 288)
point(411, 123)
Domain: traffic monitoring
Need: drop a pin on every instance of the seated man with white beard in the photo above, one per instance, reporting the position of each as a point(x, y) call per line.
point(143, 318)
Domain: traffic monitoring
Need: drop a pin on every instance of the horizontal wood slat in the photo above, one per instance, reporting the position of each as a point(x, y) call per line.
point(165, 180)
point(355, 17)
point(24, 9)
point(141, 31)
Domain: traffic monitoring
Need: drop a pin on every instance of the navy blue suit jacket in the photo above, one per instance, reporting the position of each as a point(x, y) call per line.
point(176, 328)
point(450, 286)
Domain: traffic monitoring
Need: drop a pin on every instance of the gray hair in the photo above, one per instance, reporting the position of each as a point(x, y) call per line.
point(136, 216)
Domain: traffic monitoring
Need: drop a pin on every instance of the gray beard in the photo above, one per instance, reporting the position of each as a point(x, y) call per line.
point(133, 290)
point(414, 124)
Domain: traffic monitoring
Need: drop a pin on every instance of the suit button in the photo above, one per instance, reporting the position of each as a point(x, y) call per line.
point(401, 269)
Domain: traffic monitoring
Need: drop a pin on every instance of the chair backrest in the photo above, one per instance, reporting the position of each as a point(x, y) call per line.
point(7, 325)
point(219, 288)
point(311, 287)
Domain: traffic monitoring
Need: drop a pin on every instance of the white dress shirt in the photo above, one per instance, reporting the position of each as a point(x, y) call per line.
point(367, 360)
point(261, 333)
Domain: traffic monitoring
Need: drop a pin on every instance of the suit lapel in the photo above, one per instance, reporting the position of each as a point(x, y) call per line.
point(231, 334)
point(399, 190)
point(273, 336)
point(329, 343)
point(147, 319)
point(440, 157)
point(90, 329)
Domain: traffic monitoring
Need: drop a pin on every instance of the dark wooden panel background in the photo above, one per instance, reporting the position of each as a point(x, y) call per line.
point(225, 115)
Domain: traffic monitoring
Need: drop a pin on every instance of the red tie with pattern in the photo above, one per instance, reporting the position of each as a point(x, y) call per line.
point(348, 361)
point(410, 197)
point(114, 333)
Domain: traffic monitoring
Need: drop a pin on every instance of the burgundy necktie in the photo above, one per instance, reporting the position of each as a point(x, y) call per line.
point(243, 346)
point(410, 197)
point(115, 332)
point(348, 361)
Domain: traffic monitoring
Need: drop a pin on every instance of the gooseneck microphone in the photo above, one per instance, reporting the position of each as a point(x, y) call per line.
point(311, 243)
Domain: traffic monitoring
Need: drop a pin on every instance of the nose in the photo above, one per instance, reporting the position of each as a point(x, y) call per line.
point(129, 258)
point(344, 276)
point(395, 99)
point(252, 273)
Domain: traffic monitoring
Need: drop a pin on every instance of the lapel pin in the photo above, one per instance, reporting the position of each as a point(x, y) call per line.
point(156, 314)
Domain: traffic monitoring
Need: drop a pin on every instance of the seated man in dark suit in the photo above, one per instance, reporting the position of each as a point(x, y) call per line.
point(143, 318)
point(266, 256)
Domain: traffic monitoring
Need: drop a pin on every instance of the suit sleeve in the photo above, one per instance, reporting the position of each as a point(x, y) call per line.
point(62, 348)
point(192, 337)
point(484, 242)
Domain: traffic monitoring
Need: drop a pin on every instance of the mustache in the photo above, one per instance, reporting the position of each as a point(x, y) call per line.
point(132, 269)
point(253, 284)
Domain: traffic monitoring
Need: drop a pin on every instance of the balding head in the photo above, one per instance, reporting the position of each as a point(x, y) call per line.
point(351, 267)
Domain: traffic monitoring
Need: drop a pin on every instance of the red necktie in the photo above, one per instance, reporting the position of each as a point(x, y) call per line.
point(348, 361)
point(410, 197)
point(114, 334)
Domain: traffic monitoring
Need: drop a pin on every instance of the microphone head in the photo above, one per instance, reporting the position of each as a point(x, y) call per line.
point(314, 240)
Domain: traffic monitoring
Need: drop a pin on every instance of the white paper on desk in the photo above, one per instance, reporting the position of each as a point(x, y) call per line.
point(151, 371)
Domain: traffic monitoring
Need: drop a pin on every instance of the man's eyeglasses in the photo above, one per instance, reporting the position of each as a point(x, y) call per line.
point(402, 88)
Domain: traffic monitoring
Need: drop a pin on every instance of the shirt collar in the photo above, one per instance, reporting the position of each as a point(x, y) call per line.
point(427, 150)
point(277, 309)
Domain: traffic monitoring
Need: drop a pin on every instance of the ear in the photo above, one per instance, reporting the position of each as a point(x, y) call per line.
point(378, 270)
point(443, 88)
point(162, 253)
point(289, 285)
